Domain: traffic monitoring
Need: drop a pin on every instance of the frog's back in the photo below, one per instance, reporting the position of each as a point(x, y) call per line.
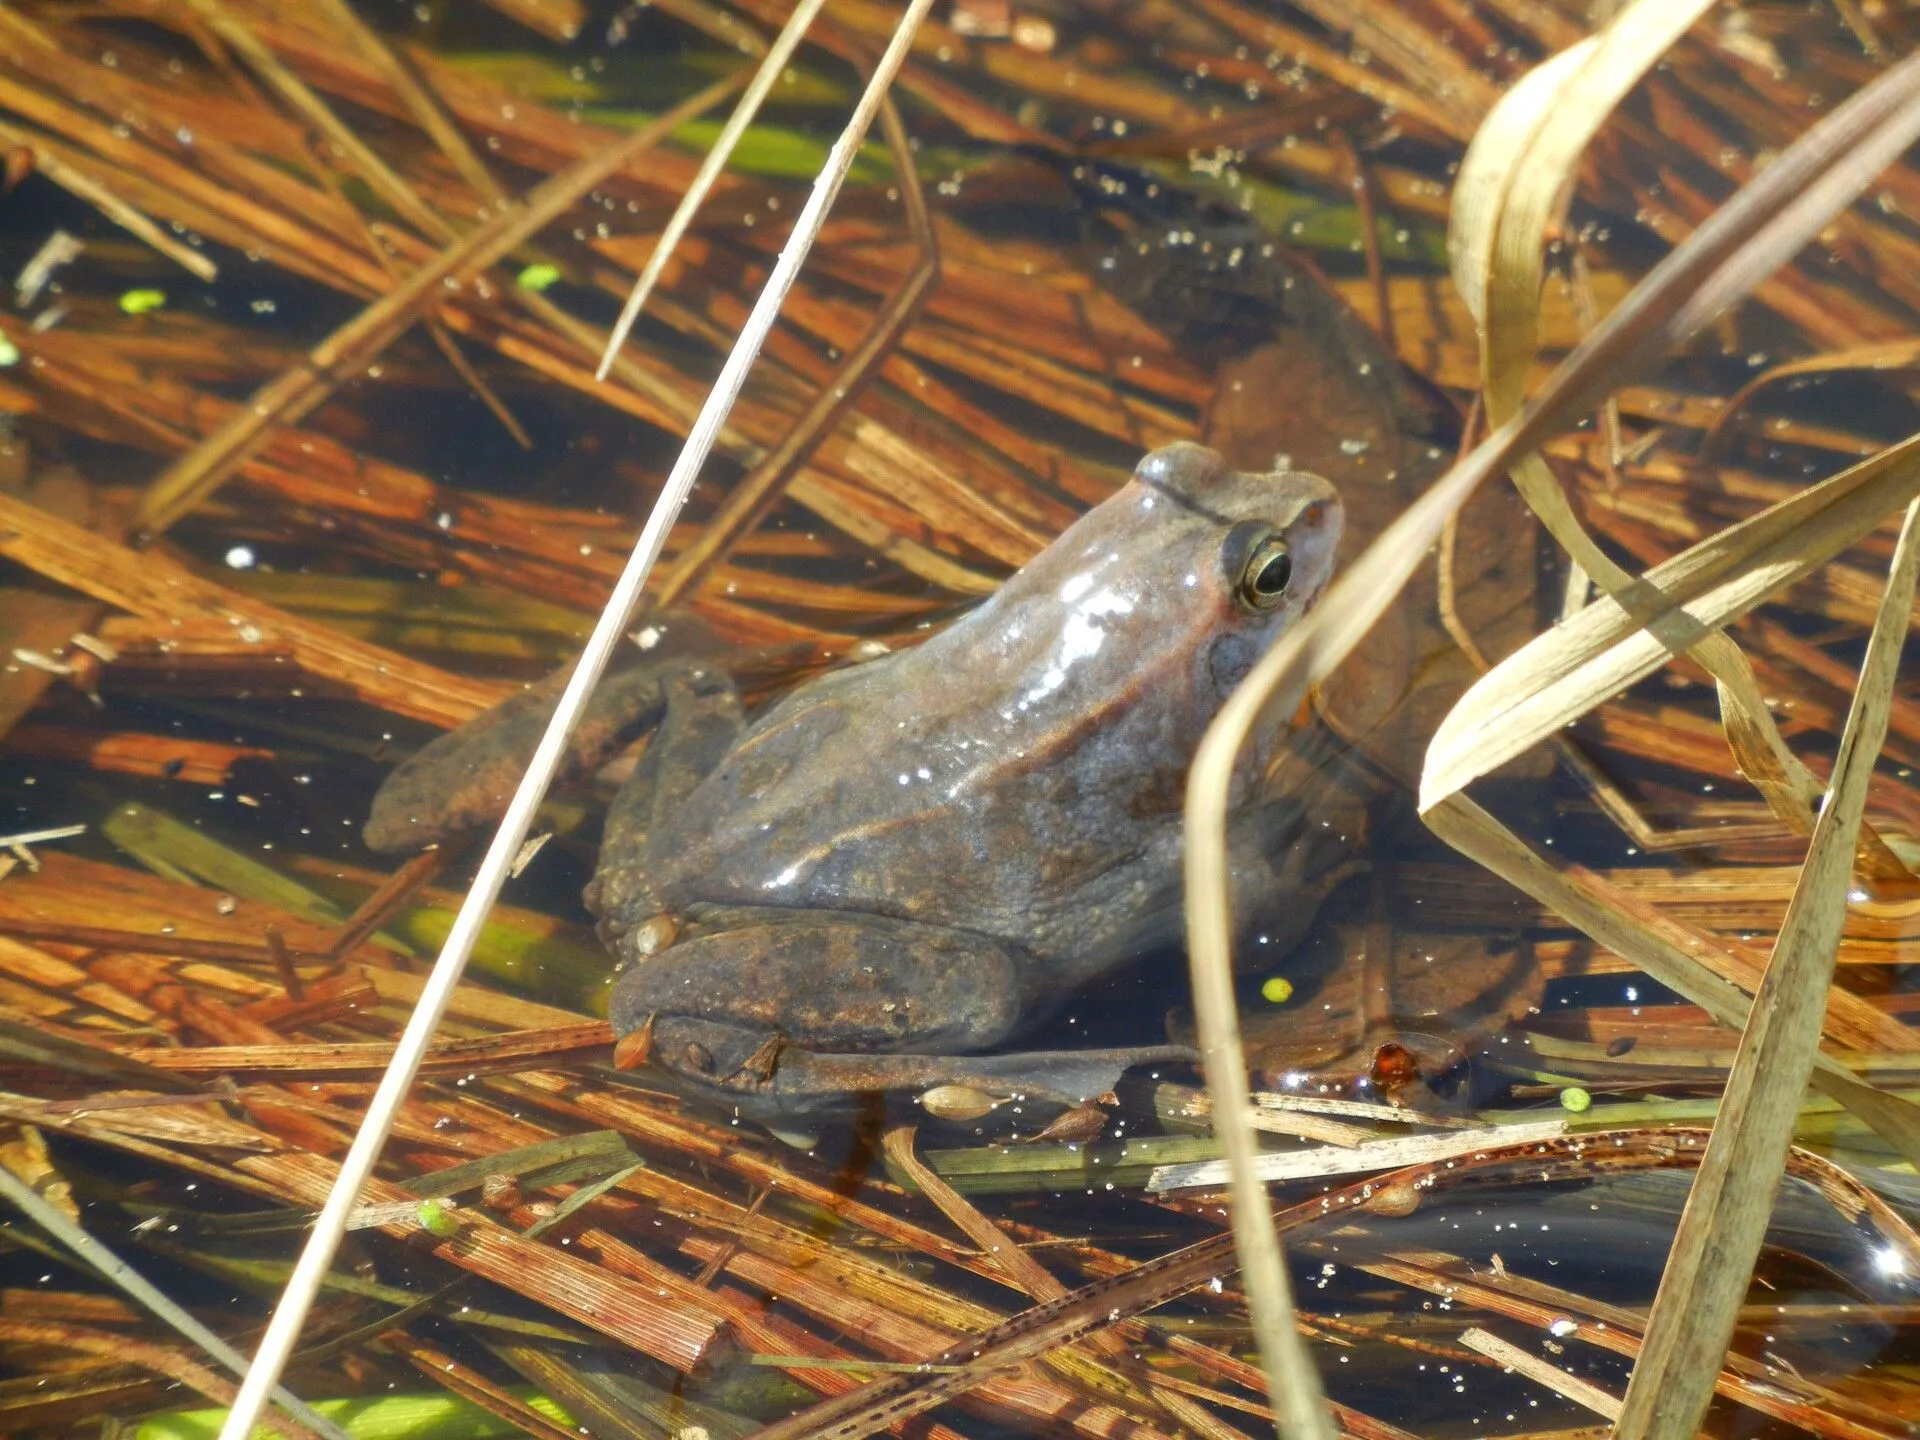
point(1020, 773)
point(852, 796)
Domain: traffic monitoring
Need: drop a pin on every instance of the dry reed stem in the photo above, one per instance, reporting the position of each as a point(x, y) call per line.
point(556, 19)
point(508, 1051)
point(1708, 1272)
point(748, 502)
point(1570, 1387)
point(97, 193)
point(426, 111)
point(671, 1331)
point(317, 113)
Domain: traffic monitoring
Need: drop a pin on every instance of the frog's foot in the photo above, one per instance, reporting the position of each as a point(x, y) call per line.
point(833, 982)
point(721, 1065)
point(463, 779)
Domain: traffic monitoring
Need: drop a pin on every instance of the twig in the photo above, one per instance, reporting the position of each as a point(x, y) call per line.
point(289, 1315)
point(283, 964)
point(78, 183)
point(379, 907)
point(1357, 1159)
point(1505, 1352)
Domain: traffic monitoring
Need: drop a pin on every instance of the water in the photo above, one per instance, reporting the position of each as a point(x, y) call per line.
point(1104, 292)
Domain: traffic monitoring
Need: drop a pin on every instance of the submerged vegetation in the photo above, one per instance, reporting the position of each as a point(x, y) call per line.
point(305, 458)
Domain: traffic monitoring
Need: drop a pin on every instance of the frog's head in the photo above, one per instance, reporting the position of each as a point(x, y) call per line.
point(1146, 612)
point(1232, 559)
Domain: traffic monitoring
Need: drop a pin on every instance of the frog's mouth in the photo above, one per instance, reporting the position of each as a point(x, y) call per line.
point(1314, 538)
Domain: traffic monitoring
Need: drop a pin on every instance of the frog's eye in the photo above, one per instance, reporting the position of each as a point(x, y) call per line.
point(1267, 573)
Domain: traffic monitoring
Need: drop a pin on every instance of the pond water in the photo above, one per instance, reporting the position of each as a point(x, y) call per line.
point(1155, 223)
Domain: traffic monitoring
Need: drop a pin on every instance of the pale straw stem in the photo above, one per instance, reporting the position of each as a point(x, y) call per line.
point(283, 1332)
point(710, 168)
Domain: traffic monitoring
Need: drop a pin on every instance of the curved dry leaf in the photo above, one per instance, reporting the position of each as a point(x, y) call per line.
point(1624, 637)
point(1490, 164)
point(1756, 231)
point(1626, 50)
point(1883, 355)
point(1511, 244)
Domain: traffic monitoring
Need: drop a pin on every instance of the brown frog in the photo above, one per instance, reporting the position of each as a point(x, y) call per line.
point(912, 859)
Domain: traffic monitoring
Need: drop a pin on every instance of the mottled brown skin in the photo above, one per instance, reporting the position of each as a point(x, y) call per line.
point(919, 854)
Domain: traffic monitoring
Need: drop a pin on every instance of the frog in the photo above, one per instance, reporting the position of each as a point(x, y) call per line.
point(902, 865)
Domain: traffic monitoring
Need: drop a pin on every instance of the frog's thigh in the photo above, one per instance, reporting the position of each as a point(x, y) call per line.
point(838, 983)
point(702, 719)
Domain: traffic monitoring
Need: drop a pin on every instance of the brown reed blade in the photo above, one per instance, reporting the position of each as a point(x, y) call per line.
point(508, 1051)
point(286, 399)
point(317, 113)
point(631, 1314)
point(426, 110)
point(152, 584)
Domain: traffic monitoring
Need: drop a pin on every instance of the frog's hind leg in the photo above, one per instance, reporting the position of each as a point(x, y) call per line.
point(701, 718)
point(822, 980)
point(463, 779)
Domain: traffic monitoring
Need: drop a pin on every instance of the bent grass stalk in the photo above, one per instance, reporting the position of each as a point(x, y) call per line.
point(1759, 229)
point(289, 1315)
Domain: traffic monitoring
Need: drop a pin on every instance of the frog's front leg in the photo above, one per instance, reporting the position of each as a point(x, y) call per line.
point(718, 1002)
point(701, 719)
